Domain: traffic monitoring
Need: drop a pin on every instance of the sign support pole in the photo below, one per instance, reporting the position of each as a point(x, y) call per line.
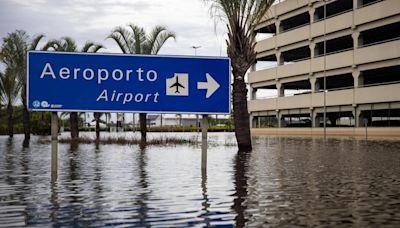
point(54, 146)
point(204, 129)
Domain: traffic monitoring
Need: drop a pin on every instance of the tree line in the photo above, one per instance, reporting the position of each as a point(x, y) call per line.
point(240, 16)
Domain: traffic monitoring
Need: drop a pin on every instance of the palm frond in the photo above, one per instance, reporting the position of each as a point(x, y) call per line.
point(53, 45)
point(156, 39)
point(96, 47)
point(35, 41)
point(10, 87)
point(69, 44)
point(242, 17)
point(13, 53)
point(139, 38)
point(122, 37)
point(91, 47)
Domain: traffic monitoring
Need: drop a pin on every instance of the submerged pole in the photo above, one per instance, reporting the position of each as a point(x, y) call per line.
point(204, 131)
point(54, 146)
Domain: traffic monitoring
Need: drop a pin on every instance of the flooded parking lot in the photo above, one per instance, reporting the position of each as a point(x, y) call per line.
point(284, 181)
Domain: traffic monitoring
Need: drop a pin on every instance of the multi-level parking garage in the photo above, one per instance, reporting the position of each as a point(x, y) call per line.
point(354, 49)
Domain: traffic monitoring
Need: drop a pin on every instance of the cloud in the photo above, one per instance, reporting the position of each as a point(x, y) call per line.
point(94, 19)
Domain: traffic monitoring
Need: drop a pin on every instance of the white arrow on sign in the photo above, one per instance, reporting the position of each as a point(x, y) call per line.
point(211, 85)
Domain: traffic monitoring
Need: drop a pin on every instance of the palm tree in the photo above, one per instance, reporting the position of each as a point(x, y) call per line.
point(134, 40)
point(13, 55)
point(9, 90)
point(241, 18)
point(67, 44)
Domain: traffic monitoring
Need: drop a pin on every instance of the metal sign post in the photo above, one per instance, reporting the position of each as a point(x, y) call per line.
point(54, 146)
point(204, 131)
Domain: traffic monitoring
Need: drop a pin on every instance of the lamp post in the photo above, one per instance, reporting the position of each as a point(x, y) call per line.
point(195, 49)
point(324, 42)
point(324, 70)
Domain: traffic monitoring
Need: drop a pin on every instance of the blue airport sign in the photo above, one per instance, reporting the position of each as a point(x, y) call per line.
point(60, 81)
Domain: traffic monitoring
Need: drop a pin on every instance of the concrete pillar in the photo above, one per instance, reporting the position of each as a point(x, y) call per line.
point(279, 58)
point(253, 93)
point(312, 49)
point(358, 118)
point(281, 89)
point(312, 12)
point(278, 26)
point(356, 39)
point(357, 4)
point(312, 82)
point(358, 78)
point(315, 119)
point(253, 121)
point(279, 118)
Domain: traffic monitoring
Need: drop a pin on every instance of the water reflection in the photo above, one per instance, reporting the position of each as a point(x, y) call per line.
point(239, 206)
point(205, 203)
point(283, 182)
point(143, 196)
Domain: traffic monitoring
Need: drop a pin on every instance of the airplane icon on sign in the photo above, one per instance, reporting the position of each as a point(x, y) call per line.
point(177, 85)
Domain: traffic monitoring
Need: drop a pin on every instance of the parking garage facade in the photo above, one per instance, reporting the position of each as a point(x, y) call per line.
point(342, 58)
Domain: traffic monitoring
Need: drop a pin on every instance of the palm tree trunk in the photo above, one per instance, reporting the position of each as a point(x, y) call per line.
point(74, 127)
point(42, 124)
point(26, 122)
point(241, 115)
point(10, 112)
point(97, 116)
point(143, 126)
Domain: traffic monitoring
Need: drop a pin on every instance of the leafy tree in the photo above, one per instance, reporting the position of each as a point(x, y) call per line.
point(241, 18)
point(9, 90)
point(67, 44)
point(134, 40)
point(13, 55)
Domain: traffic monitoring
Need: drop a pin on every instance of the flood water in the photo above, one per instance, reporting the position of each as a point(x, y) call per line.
point(283, 182)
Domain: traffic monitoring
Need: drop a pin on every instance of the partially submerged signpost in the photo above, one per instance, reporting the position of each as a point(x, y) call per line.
point(82, 82)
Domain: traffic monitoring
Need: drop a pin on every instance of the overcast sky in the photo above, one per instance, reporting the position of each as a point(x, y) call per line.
point(94, 19)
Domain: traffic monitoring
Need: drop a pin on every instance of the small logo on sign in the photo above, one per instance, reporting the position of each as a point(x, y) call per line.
point(45, 104)
point(36, 104)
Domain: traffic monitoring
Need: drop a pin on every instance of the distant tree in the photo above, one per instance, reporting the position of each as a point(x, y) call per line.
point(134, 40)
point(67, 44)
point(9, 90)
point(13, 54)
point(241, 18)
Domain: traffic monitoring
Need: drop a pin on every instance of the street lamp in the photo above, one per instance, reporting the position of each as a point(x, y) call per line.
point(324, 42)
point(195, 49)
point(325, 70)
